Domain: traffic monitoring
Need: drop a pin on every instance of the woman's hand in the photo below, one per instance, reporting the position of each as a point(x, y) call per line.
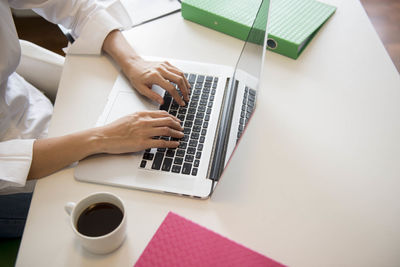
point(143, 74)
point(135, 132)
point(131, 133)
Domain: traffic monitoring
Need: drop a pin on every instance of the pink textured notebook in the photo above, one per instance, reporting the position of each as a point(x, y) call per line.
point(180, 242)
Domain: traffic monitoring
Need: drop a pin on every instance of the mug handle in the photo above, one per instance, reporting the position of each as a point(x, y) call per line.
point(69, 207)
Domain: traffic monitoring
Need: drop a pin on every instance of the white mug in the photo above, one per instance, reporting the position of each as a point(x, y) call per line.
point(99, 244)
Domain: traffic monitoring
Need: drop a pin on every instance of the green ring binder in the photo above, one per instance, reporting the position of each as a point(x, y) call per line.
point(292, 23)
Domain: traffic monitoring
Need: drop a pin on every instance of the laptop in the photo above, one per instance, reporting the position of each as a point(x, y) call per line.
point(222, 101)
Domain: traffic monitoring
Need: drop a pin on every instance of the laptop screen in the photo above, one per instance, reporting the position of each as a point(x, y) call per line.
point(240, 99)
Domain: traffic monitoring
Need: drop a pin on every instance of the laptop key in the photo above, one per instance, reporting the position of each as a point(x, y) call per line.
point(202, 139)
point(188, 123)
point(190, 117)
point(167, 164)
point(180, 153)
point(191, 150)
point(176, 169)
point(193, 143)
point(143, 164)
point(178, 161)
point(182, 111)
point(194, 136)
point(201, 109)
point(170, 153)
point(148, 156)
point(182, 145)
point(187, 167)
point(198, 122)
point(196, 163)
point(200, 115)
point(189, 158)
point(204, 96)
point(192, 78)
point(194, 171)
point(174, 105)
point(198, 155)
point(196, 128)
point(157, 161)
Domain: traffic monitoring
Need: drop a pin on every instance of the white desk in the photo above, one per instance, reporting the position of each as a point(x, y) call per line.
point(326, 190)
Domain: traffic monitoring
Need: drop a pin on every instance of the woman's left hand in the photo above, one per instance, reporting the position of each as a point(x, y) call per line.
point(142, 74)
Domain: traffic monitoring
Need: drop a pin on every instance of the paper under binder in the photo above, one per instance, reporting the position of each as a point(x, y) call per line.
point(292, 23)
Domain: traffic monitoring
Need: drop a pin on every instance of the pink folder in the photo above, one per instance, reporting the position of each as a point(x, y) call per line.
point(180, 242)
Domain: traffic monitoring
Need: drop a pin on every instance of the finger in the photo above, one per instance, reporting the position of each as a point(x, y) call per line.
point(159, 80)
point(178, 72)
point(165, 131)
point(166, 121)
point(147, 92)
point(161, 114)
point(179, 80)
point(163, 143)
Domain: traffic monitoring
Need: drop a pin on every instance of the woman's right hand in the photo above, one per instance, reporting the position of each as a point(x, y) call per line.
point(135, 132)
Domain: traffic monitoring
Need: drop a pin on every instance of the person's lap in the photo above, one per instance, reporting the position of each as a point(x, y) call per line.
point(13, 212)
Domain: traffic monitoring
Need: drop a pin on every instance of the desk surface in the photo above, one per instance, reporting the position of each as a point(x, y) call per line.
point(326, 189)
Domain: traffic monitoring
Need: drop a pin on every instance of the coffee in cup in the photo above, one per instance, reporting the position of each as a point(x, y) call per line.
point(99, 221)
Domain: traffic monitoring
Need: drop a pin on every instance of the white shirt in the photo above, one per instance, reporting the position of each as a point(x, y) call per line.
point(24, 111)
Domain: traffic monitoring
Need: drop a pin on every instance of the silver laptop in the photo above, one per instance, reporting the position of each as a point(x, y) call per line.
point(222, 101)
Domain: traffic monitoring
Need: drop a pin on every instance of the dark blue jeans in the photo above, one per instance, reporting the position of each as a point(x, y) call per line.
point(13, 212)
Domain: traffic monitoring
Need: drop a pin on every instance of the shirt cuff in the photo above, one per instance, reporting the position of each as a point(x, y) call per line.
point(15, 162)
point(97, 28)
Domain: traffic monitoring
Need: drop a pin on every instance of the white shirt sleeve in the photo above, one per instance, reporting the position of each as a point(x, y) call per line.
point(89, 20)
point(15, 162)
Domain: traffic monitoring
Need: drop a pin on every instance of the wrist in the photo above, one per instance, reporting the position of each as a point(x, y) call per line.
point(94, 141)
point(119, 49)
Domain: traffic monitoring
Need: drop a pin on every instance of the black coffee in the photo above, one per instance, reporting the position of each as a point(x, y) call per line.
point(99, 219)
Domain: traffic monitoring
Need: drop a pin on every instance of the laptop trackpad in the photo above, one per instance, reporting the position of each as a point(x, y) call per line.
point(124, 100)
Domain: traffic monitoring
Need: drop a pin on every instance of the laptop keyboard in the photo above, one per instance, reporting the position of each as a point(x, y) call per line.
point(195, 117)
point(248, 103)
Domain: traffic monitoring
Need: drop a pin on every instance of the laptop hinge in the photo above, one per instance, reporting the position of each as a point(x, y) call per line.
point(224, 126)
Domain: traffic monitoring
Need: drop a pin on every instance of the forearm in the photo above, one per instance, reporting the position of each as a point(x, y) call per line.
point(52, 154)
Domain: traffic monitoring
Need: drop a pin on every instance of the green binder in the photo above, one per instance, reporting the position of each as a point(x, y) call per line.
point(292, 23)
